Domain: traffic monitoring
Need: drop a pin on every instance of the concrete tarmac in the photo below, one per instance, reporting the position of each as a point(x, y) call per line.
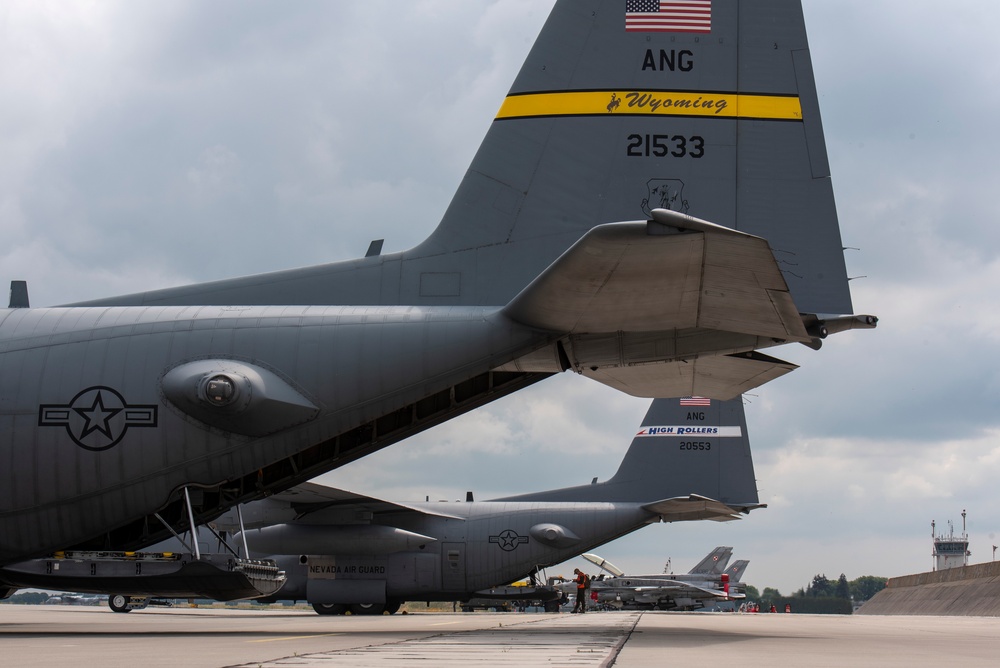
point(215, 638)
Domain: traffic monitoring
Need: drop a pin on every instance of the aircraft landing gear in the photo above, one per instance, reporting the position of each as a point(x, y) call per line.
point(330, 608)
point(391, 606)
point(119, 603)
point(123, 603)
point(367, 609)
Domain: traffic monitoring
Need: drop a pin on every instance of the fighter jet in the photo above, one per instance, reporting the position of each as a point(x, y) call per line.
point(342, 551)
point(707, 582)
point(714, 563)
point(126, 414)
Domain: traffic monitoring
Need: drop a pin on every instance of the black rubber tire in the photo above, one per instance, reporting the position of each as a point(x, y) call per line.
point(367, 608)
point(329, 608)
point(119, 603)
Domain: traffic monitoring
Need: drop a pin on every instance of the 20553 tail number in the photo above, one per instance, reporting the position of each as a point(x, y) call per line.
point(696, 445)
point(661, 146)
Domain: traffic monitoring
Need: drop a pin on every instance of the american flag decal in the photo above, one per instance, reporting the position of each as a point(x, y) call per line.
point(696, 401)
point(668, 16)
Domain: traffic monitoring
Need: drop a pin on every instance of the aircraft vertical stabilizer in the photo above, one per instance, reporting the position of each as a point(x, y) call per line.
point(610, 118)
point(714, 563)
point(691, 455)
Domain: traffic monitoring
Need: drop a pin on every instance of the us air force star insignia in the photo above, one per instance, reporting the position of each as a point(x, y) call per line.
point(97, 418)
point(508, 540)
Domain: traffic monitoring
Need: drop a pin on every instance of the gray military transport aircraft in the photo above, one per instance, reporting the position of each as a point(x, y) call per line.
point(125, 414)
point(683, 464)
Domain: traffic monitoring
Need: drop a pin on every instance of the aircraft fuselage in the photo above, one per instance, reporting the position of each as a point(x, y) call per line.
point(107, 412)
point(486, 544)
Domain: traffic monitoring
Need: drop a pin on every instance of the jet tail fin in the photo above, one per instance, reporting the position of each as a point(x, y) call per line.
point(737, 570)
point(714, 562)
point(689, 460)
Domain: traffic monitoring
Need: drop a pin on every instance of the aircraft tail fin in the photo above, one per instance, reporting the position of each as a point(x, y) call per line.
point(714, 563)
point(689, 460)
point(612, 117)
point(737, 570)
point(614, 114)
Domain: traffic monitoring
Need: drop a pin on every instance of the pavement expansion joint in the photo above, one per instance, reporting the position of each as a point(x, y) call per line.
point(563, 640)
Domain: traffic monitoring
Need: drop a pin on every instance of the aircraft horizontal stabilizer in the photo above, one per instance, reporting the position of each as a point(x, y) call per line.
point(695, 507)
point(656, 276)
point(717, 376)
point(670, 307)
point(718, 593)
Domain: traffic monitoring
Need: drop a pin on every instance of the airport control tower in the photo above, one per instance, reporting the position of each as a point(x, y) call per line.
point(950, 551)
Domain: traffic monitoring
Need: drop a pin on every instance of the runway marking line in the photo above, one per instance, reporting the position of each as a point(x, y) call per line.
point(315, 635)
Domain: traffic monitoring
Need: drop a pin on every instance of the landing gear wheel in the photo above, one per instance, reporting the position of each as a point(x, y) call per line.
point(552, 606)
point(392, 606)
point(367, 609)
point(119, 603)
point(329, 608)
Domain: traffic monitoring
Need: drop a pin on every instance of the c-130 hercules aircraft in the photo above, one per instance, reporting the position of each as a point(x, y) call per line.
point(343, 551)
point(116, 409)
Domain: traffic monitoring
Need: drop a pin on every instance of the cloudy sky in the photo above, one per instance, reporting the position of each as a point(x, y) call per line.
point(144, 145)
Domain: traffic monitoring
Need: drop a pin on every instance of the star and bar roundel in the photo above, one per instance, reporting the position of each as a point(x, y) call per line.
point(97, 418)
point(508, 540)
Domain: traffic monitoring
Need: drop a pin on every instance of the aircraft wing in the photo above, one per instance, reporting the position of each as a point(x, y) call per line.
point(696, 507)
point(694, 590)
point(310, 503)
point(671, 588)
point(309, 498)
